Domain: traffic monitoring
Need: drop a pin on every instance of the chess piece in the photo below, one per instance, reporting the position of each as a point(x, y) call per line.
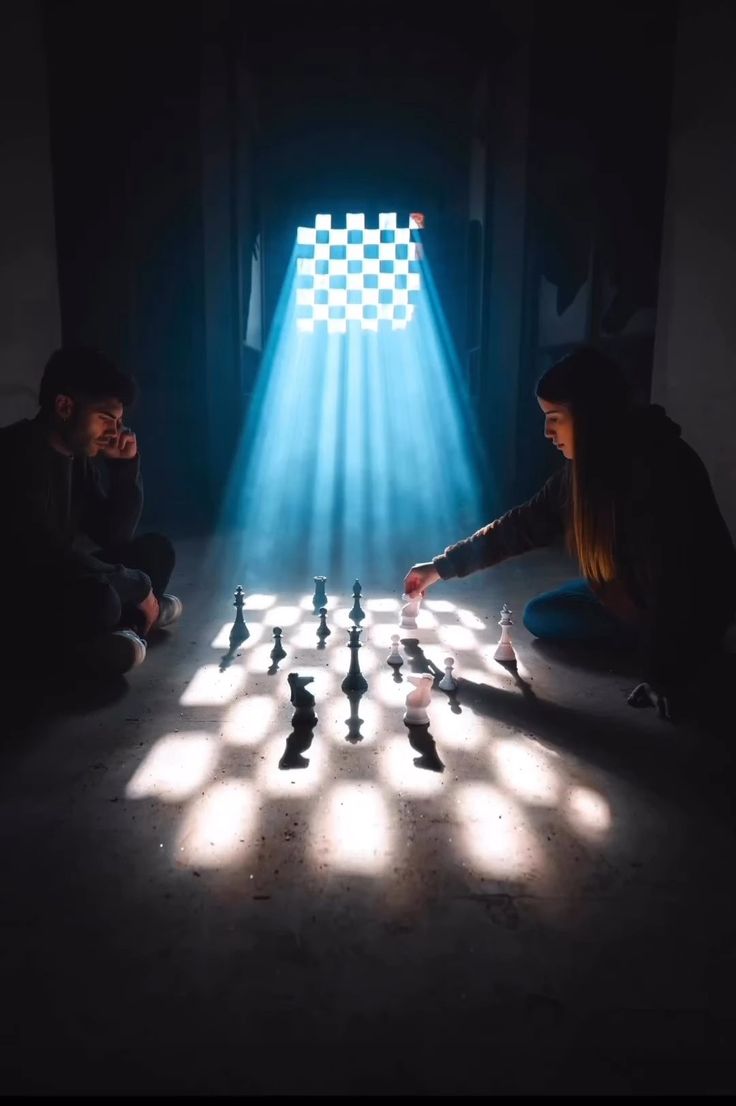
point(357, 614)
point(301, 699)
point(417, 700)
point(505, 650)
point(355, 680)
point(448, 681)
point(319, 598)
point(323, 630)
point(395, 658)
point(410, 610)
point(239, 632)
point(278, 652)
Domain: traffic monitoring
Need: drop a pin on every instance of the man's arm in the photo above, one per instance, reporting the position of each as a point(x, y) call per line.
point(111, 514)
point(538, 522)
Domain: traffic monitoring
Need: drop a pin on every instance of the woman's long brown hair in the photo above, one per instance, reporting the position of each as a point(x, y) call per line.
point(598, 396)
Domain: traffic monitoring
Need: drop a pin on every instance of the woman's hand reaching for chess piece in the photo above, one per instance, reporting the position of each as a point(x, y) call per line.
point(419, 578)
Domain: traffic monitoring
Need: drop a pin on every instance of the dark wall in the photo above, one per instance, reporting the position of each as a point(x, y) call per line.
point(124, 85)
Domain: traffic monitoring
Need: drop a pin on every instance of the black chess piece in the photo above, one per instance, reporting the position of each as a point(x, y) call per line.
point(357, 614)
point(278, 652)
point(319, 598)
point(323, 630)
point(302, 699)
point(239, 632)
point(355, 680)
point(354, 722)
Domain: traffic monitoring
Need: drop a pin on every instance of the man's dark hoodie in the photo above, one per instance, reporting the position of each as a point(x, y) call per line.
point(676, 579)
point(60, 510)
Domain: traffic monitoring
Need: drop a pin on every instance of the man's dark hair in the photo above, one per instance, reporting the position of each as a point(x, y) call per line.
point(84, 374)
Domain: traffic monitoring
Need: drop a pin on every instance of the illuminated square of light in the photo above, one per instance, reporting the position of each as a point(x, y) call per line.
point(210, 687)
point(306, 236)
point(524, 770)
point(175, 767)
point(222, 640)
point(587, 811)
point(305, 325)
point(443, 606)
point(323, 222)
point(456, 637)
point(369, 324)
point(495, 836)
point(352, 832)
point(218, 828)
point(322, 252)
point(401, 773)
point(355, 220)
point(387, 220)
point(272, 780)
point(338, 236)
point(248, 720)
point(471, 620)
point(371, 236)
point(398, 324)
point(337, 326)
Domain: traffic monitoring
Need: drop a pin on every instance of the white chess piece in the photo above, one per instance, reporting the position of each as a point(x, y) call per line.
point(417, 700)
point(410, 610)
point(448, 681)
point(505, 650)
point(395, 658)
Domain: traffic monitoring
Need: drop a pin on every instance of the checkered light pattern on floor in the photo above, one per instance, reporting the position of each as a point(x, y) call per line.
point(356, 273)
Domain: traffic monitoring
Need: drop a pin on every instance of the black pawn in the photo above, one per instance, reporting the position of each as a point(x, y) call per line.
point(323, 630)
point(320, 595)
point(278, 652)
point(357, 614)
point(355, 680)
point(239, 632)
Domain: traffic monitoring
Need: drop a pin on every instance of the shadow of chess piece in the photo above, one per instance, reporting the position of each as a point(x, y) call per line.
point(301, 699)
point(355, 680)
point(278, 652)
point(512, 667)
point(319, 599)
point(323, 630)
point(417, 659)
point(354, 722)
point(357, 614)
point(421, 739)
point(298, 741)
point(453, 699)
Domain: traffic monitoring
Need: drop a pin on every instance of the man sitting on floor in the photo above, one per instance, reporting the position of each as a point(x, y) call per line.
point(72, 498)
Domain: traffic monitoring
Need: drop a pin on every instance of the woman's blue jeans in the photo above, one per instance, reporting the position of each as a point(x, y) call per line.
point(573, 613)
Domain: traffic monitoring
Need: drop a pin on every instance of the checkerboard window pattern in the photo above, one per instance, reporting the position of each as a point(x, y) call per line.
point(358, 274)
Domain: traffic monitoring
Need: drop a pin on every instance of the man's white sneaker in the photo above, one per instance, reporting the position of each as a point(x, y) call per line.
point(114, 653)
point(170, 608)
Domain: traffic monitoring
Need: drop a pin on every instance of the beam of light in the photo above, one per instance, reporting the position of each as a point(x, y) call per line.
point(211, 687)
point(248, 721)
point(382, 606)
point(352, 832)
point(524, 770)
point(471, 620)
point(218, 828)
point(443, 606)
point(496, 837)
point(401, 773)
point(175, 767)
point(272, 780)
point(222, 640)
point(456, 637)
point(360, 452)
point(588, 811)
point(456, 731)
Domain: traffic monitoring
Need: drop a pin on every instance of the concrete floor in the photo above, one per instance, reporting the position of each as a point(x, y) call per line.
point(551, 913)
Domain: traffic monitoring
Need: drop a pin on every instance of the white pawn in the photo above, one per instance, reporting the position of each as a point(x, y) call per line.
point(417, 701)
point(410, 610)
point(505, 650)
point(395, 658)
point(448, 681)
